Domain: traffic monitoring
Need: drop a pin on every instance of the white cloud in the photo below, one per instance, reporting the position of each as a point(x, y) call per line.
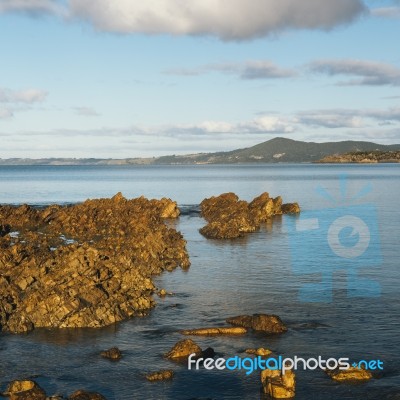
point(33, 7)
point(255, 69)
point(225, 19)
point(367, 72)
point(386, 12)
point(86, 111)
point(28, 96)
point(348, 118)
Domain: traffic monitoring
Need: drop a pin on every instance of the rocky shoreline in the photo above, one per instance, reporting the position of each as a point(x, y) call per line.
point(86, 265)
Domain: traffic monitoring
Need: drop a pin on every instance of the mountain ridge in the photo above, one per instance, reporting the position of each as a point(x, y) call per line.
point(276, 150)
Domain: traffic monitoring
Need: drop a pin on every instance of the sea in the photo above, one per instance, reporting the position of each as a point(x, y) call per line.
point(331, 273)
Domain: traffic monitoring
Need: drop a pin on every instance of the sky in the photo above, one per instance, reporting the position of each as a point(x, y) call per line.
point(134, 78)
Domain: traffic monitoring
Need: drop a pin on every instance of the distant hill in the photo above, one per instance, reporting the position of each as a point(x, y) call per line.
point(277, 150)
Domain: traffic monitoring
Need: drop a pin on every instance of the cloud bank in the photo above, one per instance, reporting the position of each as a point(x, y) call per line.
point(365, 72)
point(225, 19)
point(257, 69)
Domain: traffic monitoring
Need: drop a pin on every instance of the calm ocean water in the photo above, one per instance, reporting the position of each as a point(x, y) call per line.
point(249, 275)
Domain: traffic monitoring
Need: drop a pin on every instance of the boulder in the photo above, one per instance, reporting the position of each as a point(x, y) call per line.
point(352, 374)
point(215, 331)
point(278, 385)
point(267, 323)
point(228, 217)
point(24, 390)
point(84, 395)
point(162, 375)
point(259, 352)
point(113, 354)
point(183, 349)
point(290, 208)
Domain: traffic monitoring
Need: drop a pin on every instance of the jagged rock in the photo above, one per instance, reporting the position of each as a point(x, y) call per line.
point(215, 331)
point(183, 349)
point(259, 322)
point(113, 354)
point(83, 395)
point(87, 265)
point(228, 217)
point(352, 374)
point(290, 208)
point(24, 390)
point(278, 385)
point(161, 375)
point(259, 352)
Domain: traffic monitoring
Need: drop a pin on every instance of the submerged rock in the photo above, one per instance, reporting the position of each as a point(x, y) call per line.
point(183, 349)
point(277, 384)
point(87, 265)
point(83, 395)
point(228, 217)
point(259, 352)
point(24, 390)
point(162, 375)
point(352, 374)
point(113, 354)
point(215, 331)
point(268, 323)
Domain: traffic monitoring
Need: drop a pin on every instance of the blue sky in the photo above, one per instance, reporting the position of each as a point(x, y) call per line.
point(127, 78)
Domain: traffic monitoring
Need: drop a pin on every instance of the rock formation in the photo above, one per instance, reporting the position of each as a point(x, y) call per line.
point(225, 330)
point(259, 322)
point(228, 217)
point(86, 265)
point(352, 374)
point(112, 354)
point(183, 349)
point(162, 375)
point(278, 385)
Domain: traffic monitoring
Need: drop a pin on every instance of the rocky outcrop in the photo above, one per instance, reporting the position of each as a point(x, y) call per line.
point(261, 351)
point(352, 374)
point(87, 265)
point(112, 354)
point(30, 390)
point(278, 385)
point(215, 331)
point(228, 217)
point(24, 390)
point(83, 395)
point(162, 375)
point(267, 323)
point(183, 349)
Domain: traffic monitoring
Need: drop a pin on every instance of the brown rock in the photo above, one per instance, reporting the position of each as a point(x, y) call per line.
point(278, 385)
point(87, 265)
point(83, 395)
point(259, 322)
point(352, 374)
point(290, 208)
point(113, 354)
point(259, 352)
point(25, 390)
point(183, 349)
point(228, 217)
point(217, 331)
point(161, 375)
